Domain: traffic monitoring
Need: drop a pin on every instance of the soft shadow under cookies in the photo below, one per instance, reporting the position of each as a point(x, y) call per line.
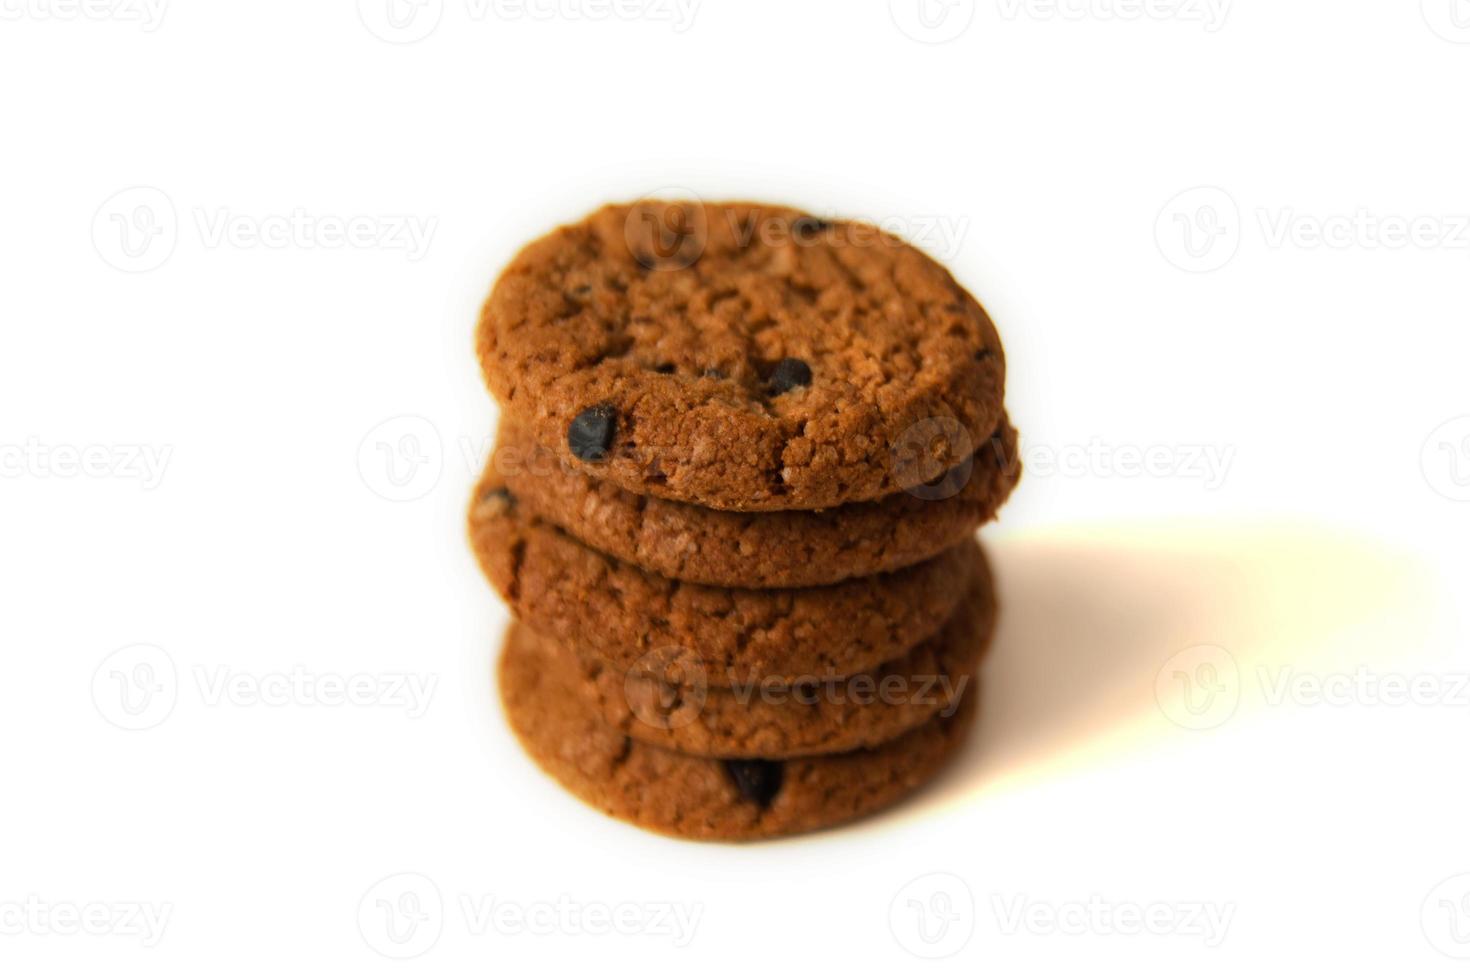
point(1111, 639)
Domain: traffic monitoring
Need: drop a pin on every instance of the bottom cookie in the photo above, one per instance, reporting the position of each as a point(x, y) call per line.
point(556, 717)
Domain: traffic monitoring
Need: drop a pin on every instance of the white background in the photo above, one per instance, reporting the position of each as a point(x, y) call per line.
point(264, 366)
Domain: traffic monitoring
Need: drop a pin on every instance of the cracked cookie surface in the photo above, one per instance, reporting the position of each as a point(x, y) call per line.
point(774, 549)
point(809, 717)
point(555, 716)
point(628, 617)
point(740, 356)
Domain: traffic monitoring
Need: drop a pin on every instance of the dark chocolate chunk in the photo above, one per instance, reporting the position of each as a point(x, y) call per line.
point(789, 372)
point(804, 230)
point(590, 435)
point(759, 780)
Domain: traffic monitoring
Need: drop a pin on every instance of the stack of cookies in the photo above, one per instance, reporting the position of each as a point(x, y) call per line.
point(742, 456)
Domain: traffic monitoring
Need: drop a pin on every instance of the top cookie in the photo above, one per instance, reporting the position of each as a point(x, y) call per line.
point(741, 356)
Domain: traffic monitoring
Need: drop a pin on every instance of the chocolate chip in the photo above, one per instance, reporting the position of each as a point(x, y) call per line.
point(759, 780)
point(805, 229)
point(664, 369)
point(789, 372)
point(590, 435)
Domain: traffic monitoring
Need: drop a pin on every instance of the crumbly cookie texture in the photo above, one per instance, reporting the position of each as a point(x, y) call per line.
point(741, 356)
point(776, 549)
point(629, 617)
point(811, 717)
point(556, 717)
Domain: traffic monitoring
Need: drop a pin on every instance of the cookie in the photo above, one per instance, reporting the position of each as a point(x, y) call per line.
point(778, 549)
point(741, 356)
point(628, 617)
point(556, 718)
point(809, 717)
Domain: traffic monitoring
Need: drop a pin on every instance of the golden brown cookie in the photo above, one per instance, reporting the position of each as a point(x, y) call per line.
point(630, 617)
point(742, 356)
point(777, 549)
point(810, 717)
point(556, 718)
